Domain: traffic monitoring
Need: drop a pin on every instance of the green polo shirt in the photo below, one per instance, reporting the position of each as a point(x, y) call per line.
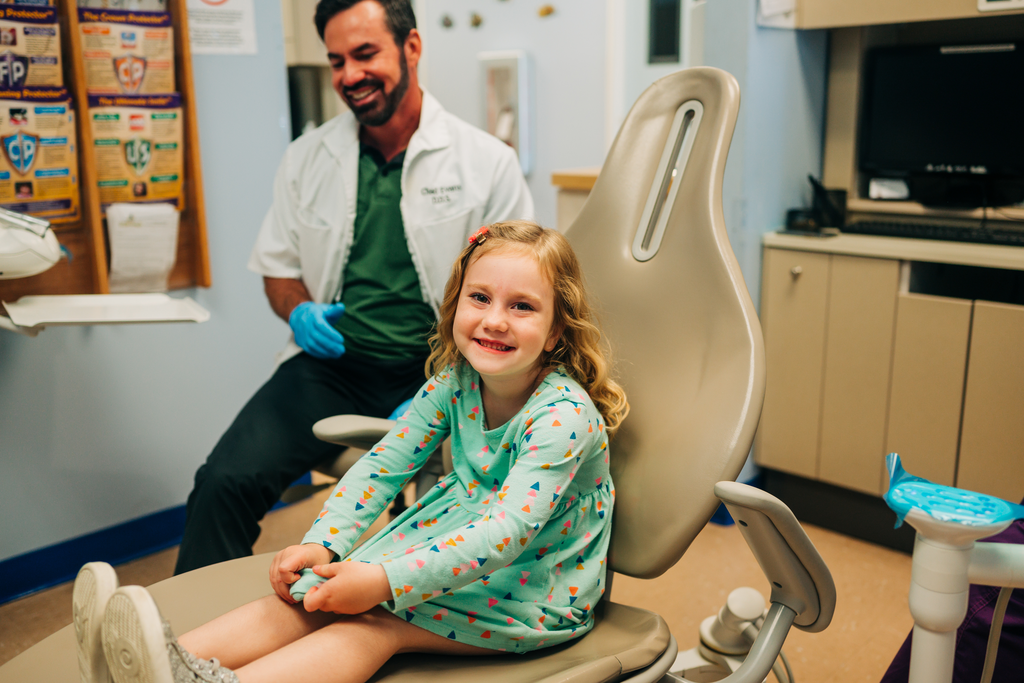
point(385, 317)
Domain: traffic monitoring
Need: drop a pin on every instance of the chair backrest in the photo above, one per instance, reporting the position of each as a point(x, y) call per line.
point(671, 299)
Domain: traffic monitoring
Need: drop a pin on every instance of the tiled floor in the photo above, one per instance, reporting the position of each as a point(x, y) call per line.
point(871, 617)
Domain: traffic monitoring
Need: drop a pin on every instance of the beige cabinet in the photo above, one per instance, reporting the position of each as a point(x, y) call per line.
point(858, 366)
point(828, 325)
point(928, 368)
point(835, 13)
point(858, 355)
point(796, 284)
point(992, 439)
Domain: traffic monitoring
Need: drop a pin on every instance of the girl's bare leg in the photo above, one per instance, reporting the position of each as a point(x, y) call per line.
point(253, 630)
point(350, 649)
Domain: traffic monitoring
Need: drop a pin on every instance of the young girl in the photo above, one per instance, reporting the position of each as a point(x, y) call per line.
point(506, 553)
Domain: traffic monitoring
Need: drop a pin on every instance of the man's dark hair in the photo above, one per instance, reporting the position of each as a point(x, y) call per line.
point(398, 16)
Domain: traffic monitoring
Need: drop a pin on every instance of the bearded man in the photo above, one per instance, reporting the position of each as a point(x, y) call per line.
point(368, 213)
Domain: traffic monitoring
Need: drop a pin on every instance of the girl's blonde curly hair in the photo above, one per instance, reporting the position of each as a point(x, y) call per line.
point(579, 348)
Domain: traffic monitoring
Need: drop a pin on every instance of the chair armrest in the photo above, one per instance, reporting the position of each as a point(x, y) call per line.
point(799, 577)
point(356, 431)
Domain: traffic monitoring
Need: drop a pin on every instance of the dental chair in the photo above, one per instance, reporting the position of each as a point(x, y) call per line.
point(688, 348)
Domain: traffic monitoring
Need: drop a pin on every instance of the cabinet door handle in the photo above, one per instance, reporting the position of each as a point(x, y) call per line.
point(795, 271)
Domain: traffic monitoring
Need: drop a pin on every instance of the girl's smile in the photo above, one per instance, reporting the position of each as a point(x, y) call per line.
point(494, 346)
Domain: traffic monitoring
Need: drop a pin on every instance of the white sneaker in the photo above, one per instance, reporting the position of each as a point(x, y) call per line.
point(133, 638)
point(140, 647)
point(94, 585)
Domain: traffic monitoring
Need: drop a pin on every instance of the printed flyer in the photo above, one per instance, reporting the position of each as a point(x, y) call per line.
point(38, 164)
point(138, 145)
point(127, 52)
point(29, 47)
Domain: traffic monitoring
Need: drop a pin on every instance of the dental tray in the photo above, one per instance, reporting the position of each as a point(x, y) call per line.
point(103, 309)
point(944, 503)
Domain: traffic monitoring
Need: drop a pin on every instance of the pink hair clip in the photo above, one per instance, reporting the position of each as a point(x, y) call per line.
point(478, 236)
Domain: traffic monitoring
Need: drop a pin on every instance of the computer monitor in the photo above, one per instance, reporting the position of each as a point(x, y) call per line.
point(947, 118)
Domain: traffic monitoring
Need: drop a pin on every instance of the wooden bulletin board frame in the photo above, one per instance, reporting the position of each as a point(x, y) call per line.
point(86, 272)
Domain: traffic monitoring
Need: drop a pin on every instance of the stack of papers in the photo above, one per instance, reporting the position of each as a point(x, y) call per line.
point(143, 246)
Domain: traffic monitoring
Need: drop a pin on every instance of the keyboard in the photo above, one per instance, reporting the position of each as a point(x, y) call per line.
point(929, 231)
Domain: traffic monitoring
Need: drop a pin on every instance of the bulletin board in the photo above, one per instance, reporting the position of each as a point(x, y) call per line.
point(86, 272)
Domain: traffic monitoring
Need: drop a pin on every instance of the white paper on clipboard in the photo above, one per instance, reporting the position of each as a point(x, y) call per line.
point(143, 246)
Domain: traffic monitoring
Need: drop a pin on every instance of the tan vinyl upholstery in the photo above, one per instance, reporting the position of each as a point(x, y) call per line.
point(689, 352)
point(684, 332)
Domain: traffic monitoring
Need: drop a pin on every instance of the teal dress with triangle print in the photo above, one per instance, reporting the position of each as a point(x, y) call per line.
point(506, 552)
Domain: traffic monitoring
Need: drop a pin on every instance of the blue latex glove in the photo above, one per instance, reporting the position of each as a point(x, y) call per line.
point(313, 325)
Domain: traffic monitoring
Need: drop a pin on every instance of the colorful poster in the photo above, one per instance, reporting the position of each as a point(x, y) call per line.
point(29, 47)
point(38, 160)
point(138, 146)
point(127, 52)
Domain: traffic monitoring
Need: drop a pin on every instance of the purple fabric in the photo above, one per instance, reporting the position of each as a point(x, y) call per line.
point(972, 636)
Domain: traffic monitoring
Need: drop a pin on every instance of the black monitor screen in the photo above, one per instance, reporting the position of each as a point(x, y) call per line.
point(944, 109)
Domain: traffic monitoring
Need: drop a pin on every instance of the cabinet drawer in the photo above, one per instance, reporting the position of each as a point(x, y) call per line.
point(928, 365)
point(992, 439)
point(793, 305)
point(858, 352)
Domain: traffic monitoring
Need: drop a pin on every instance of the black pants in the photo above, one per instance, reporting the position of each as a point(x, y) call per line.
point(271, 444)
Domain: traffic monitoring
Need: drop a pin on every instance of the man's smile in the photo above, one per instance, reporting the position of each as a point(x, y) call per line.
point(357, 95)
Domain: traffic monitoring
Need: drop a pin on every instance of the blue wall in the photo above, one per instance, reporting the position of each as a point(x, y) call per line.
point(780, 131)
point(100, 425)
point(779, 134)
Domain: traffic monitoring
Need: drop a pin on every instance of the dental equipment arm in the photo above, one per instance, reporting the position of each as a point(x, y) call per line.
point(997, 564)
point(361, 433)
point(354, 431)
point(947, 559)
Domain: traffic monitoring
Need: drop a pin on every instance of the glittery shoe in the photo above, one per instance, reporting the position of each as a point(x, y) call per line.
point(94, 585)
point(188, 668)
point(141, 648)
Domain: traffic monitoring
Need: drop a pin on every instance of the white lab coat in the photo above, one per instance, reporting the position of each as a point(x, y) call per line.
point(455, 178)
